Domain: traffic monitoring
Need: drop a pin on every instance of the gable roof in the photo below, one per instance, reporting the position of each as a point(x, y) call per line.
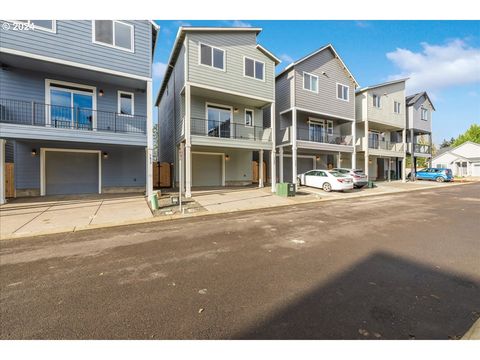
point(332, 49)
point(451, 150)
point(177, 46)
point(380, 85)
point(412, 99)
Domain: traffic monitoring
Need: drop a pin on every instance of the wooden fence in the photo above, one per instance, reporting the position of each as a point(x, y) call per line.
point(255, 171)
point(9, 180)
point(161, 175)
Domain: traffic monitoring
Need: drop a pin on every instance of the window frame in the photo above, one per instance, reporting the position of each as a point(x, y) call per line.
point(41, 28)
point(422, 110)
point(132, 37)
point(379, 101)
point(348, 92)
point(253, 118)
point(119, 93)
point(395, 107)
point(224, 69)
point(254, 69)
point(311, 76)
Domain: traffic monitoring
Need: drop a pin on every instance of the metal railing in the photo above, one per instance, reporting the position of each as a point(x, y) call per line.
point(63, 117)
point(421, 148)
point(229, 130)
point(321, 136)
point(384, 145)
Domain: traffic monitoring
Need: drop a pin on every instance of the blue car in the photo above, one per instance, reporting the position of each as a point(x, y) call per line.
point(437, 174)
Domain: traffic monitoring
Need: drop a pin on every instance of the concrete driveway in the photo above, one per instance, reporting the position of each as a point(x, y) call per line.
point(34, 216)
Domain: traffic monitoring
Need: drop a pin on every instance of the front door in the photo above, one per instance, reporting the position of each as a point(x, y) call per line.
point(316, 131)
point(219, 121)
point(380, 169)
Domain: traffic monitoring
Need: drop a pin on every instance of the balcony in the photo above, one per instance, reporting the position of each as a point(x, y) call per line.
point(385, 145)
point(321, 136)
point(228, 130)
point(72, 118)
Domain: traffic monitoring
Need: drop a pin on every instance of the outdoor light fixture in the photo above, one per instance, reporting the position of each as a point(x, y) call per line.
point(34, 152)
point(100, 92)
point(227, 157)
point(235, 110)
point(105, 155)
point(369, 161)
point(317, 157)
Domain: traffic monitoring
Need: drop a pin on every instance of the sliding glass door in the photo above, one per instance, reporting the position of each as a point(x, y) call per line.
point(71, 108)
point(219, 121)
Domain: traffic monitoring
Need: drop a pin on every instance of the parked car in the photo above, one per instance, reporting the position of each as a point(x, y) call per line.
point(357, 175)
point(327, 180)
point(437, 174)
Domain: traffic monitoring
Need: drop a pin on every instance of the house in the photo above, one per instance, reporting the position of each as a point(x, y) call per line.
point(419, 110)
point(76, 105)
point(464, 160)
point(381, 130)
point(211, 104)
point(315, 104)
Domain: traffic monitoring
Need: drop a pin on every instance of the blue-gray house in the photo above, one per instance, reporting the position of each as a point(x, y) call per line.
point(76, 105)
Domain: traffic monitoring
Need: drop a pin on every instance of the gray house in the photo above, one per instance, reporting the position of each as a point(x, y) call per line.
point(419, 127)
point(76, 105)
point(315, 104)
point(211, 104)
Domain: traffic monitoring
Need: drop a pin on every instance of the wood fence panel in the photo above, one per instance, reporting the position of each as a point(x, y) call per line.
point(256, 171)
point(9, 180)
point(164, 175)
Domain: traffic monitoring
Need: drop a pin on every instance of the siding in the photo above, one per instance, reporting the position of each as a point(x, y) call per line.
point(326, 100)
point(415, 119)
point(73, 42)
point(283, 92)
point(385, 114)
point(236, 46)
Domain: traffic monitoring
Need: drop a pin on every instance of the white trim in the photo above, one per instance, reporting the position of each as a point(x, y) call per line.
point(224, 69)
point(43, 179)
point(120, 92)
point(48, 86)
point(72, 63)
point(207, 104)
point(395, 102)
point(311, 76)
point(323, 114)
point(132, 36)
point(38, 27)
point(245, 118)
point(422, 109)
point(348, 92)
point(254, 72)
point(269, 54)
point(202, 86)
point(379, 97)
point(210, 153)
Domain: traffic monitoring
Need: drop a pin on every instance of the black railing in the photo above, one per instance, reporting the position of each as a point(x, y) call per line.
point(319, 135)
point(228, 130)
point(46, 115)
point(421, 148)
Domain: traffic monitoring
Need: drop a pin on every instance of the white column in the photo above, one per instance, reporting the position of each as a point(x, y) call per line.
point(260, 169)
point(365, 146)
point(149, 149)
point(2, 171)
point(294, 145)
point(339, 162)
point(354, 141)
point(273, 162)
point(404, 161)
point(389, 168)
point(280, 164)
point(188, 153)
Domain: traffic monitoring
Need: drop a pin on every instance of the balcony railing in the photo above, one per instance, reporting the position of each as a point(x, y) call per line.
point(384, 145)
point(229, 130)
point(421, 148)
point(62, 117)
point(321, 136)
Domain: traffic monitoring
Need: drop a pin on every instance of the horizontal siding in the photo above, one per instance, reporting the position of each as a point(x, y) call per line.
point(326, 100)
point(418, 123)
point(282, 92)
point(73, 42)
point(385, 114)
point(236, 46)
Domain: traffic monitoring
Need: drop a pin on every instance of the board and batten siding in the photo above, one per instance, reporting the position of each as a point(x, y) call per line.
point(415, 115)
point(325, 101)
point(73, 42)
point(385, 114)
point(283, 92)
point(236, 46)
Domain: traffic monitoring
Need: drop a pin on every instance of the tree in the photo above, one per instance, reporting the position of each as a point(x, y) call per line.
point(446, 143)
point(155, 142)
point(472, 134)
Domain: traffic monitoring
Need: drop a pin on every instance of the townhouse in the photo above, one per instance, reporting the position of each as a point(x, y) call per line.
point(315, 104)
point(76, 106)
point(419, 111)
point(381, 130)
point(217, 88)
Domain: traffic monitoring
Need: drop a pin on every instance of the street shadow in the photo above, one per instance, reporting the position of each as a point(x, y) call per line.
point(382, 297)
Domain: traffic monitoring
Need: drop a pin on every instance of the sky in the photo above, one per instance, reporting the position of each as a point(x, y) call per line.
point(441, 57)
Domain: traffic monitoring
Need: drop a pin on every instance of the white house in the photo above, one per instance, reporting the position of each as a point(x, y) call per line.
point(464, 160)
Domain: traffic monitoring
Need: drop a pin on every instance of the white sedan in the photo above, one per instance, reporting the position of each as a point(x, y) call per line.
point(327, 180)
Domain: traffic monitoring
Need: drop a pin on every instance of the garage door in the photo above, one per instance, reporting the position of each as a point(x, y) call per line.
point(206, 169)
point(303, 165)
point(71, 173)
point(475, 169)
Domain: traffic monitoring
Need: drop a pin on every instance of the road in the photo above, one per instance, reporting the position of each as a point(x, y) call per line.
point(402, 266)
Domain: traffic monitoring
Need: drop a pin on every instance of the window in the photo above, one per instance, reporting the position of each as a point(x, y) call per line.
point(342, 92)
point(46, 25)
point(113, 33)
point(424, 114)
point(329, 127)
point(310, 82)
point(376, 101)
point(219, 119)
point(254, 69)
point(249, 117)
point(396, 107)
point(125, 103)
point(213, 57)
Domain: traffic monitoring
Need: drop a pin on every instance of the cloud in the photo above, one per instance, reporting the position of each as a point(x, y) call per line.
point(437, 67)
point(240, 23)
point(182, 23)
point(286, 58)
point(158, 70)
point(362, 24)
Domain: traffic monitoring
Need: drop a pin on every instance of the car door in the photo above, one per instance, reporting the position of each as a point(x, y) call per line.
point(310, 178)
point(423, 175)
point(321, 178)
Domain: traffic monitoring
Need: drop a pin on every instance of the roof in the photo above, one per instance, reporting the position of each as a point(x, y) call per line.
point(177, 46)
point(412, 99)
point(380, 85)
point(328, 46)
point(451, 150)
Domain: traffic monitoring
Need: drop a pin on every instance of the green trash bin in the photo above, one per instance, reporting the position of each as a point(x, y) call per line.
point(370, 184)
point(286, 189)
point(291, 189)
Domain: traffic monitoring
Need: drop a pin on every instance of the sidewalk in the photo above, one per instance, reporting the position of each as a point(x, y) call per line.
point(474, 332)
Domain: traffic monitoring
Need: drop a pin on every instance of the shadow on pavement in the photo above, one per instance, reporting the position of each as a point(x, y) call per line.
point(382, 297)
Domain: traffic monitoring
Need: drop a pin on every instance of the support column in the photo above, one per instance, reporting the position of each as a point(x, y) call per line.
point(389, 169)
point(339, 161)
point(365, 147)
point(188, 153)
point(412, 158)
point(149, 148)
point(431, 150)
point(260, 169)
point(354, 142)
point(294, 145)
point(273, 161)
point(2, 171)
point(280, 164)
point(404, 161)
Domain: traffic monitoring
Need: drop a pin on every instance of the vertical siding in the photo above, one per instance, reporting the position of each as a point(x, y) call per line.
point(326, 100)
point(236, 46)
point(385, 114)
point(73, 42)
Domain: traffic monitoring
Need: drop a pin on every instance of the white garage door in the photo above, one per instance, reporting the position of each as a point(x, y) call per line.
point(475, 169)
point(206, 169)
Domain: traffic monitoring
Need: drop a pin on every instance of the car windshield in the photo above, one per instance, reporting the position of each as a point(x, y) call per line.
point(358, 172)
point(342, 171)
point(336, 174)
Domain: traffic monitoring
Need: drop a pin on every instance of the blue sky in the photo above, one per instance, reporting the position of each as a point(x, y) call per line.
point(441, 57)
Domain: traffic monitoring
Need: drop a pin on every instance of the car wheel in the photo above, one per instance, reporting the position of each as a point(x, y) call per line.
point(327, 187)
point(440, 179)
